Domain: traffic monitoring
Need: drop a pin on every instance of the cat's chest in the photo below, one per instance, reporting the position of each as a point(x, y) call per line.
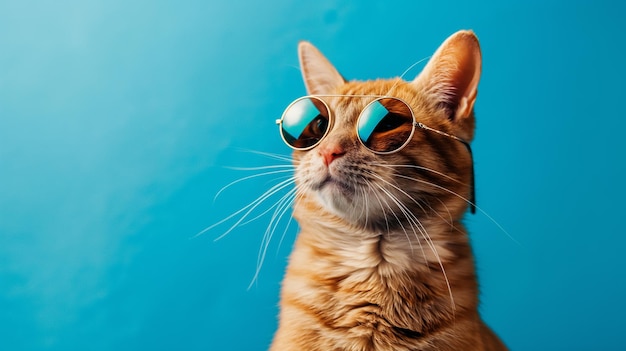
point(357, 311)
point(369, 256)
point(372, 283)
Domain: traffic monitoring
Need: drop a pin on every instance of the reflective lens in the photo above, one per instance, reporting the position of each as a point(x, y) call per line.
point(304, 123)
point(385, 125)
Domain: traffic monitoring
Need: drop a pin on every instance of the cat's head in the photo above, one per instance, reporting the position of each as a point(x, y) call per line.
point(383, 182)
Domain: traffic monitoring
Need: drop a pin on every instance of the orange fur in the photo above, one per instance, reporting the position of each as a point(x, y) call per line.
point(382, 261)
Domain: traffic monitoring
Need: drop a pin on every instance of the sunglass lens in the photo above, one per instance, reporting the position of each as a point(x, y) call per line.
point(304, 123)
point(385, 125)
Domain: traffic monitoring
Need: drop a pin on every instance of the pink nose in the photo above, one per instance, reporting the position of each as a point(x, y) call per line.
point(331, 153)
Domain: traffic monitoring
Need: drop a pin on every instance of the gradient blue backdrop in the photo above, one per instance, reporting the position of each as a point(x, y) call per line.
point(117, 119)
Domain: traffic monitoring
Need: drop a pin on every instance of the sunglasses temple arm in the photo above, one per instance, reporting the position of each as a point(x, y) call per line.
point(473, 190)
point(472, 201)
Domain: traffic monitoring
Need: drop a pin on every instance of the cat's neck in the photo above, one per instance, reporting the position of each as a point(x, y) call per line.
point(417, 247)
point(349, 266)
point(396, 252)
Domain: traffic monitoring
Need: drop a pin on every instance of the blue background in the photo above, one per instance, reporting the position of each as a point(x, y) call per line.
point(118, 121)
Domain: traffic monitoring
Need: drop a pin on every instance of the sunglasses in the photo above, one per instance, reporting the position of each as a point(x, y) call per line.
point(385, 125)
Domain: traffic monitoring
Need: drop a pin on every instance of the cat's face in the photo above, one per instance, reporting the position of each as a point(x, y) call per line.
point(430, 176)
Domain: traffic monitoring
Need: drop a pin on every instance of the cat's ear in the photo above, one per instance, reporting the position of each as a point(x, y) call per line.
point(320, 76)
point(452, 74)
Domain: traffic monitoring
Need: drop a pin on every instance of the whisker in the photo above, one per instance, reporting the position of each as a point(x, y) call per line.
point(365, 207)
point(266, 211)
point(369, 184)
point(247, 178)
point(269, 155)
point(397, 203)
point(420, 168)
point(247, 209)
point(282, 207)
point(259, 201)
point(373, 174)
point(260, 168)
point(464, 199)
point(405, 72)
point(412, 219)
point(450, 220)
point(282, 237)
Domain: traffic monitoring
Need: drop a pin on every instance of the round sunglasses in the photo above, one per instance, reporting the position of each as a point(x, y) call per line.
point(384, 126)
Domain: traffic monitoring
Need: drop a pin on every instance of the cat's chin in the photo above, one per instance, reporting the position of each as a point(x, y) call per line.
point(344, 203)
point(338, 199)
point(348, 206)
point(335, 197)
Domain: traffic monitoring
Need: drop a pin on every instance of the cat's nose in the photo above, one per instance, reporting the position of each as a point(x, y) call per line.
point(330, 153)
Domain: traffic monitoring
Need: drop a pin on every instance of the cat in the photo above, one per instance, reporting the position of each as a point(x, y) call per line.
point(382, 260)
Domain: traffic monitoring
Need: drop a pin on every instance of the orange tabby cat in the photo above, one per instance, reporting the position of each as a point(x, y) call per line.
point(382, 261)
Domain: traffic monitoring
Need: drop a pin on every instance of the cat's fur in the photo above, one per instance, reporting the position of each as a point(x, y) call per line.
point(383, 261)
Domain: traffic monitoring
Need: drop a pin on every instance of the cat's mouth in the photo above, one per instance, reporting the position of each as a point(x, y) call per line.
point(332, 182)
point(335, 190)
